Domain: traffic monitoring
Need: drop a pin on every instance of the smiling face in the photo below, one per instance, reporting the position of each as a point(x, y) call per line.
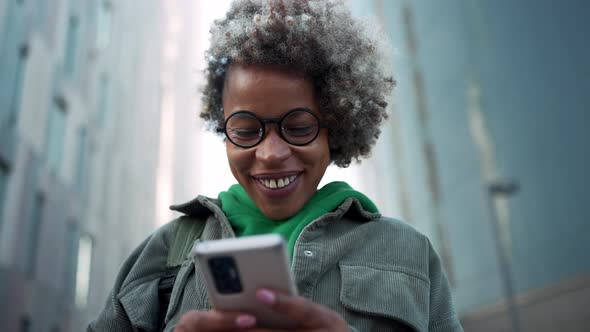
point(279, 177)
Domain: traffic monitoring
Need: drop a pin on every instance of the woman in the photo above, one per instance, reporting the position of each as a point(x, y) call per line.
point(293, 86)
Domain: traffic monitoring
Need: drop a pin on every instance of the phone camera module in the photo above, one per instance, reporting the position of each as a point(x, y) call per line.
point(225, 274)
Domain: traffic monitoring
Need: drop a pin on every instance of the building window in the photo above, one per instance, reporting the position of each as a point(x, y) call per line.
point(103, 100)
point(71, 254)
point(4, 171)
point(71, 46)
point(23, 54)
point(83, 269)
point(33, 231)
point(103, 24)
point(13, 64)
point(40, 7)
point(81, 161)
point(56, 133)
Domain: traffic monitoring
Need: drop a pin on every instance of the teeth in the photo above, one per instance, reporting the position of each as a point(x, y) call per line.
point(278, 183)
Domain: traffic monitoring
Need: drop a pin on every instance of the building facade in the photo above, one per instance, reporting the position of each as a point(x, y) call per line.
point(98, 99)
point(485, 148)
point(80, 112)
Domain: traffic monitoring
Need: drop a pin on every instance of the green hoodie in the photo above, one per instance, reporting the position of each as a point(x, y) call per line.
point(246, 219)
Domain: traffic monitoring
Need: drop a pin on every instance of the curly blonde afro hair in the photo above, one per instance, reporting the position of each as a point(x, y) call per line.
point(320, 39)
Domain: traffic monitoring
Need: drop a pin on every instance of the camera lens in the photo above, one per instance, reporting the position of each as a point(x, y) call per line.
point(225, 274)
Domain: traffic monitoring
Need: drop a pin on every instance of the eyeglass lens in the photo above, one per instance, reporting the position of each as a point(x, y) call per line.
point(297, 127)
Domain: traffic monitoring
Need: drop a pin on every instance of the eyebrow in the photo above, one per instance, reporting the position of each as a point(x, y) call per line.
point(278, 118)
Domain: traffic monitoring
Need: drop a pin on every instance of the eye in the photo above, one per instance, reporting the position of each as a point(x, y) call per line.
point(299, 124)
point(244, 127)
point(299, 130)
point(245, 133)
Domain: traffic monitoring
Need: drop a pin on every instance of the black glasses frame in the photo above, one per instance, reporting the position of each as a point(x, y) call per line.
point(277, 121)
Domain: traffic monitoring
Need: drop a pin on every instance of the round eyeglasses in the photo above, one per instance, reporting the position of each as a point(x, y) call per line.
point(298, 127)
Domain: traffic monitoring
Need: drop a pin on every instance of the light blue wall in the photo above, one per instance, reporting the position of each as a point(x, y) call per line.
point(530, 59)
point(535, 71)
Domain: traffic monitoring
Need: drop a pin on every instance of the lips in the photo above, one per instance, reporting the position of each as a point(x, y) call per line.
point(278, 184)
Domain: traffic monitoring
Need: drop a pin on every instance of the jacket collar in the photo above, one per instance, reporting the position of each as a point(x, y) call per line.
point(197, 207)
point(202, 206)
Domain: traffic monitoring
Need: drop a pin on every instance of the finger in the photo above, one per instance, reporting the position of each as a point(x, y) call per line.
point(214, 321)
point(298, 308)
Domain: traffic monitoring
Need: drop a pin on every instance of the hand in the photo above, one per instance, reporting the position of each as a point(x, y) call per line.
point(309, 315)
point(213, 321)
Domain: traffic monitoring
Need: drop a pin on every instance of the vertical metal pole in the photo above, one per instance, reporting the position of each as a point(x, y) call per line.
point(497, 189)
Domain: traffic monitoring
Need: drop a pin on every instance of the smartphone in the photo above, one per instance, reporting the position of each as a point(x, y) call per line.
point(234, 269)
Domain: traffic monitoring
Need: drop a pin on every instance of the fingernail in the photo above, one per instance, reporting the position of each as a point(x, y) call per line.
point(245, 321)
point(266, 296)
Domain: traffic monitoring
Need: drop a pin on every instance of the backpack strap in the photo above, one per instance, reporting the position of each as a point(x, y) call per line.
point(188, 230)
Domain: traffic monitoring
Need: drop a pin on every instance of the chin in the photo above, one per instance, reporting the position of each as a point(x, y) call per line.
point(278, 213)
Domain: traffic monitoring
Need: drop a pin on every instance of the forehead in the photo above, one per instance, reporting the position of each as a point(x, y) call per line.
point(267, 90)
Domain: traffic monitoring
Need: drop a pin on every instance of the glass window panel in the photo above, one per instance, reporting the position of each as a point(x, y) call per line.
point(33, 231)
point(21, 62)
point(56, 134)
point(85, 247)
point(71, 46)
point(3, 188)
point(103, 100)
point(72, 239)
point(41, 14)
point(81, 160)
point(104, 21)
point(13, 54)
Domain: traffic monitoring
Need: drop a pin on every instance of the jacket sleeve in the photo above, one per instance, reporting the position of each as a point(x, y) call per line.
point(443, 317)
point(132, 304)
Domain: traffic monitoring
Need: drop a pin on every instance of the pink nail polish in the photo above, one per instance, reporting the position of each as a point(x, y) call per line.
point(245, 321)
point(266, 296)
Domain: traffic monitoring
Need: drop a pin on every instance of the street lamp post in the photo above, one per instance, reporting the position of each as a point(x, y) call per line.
point(497, 189)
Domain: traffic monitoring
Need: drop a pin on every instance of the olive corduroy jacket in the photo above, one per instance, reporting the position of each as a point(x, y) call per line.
point(378, 273)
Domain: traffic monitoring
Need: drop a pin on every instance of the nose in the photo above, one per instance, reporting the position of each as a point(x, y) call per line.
point(273, 150)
